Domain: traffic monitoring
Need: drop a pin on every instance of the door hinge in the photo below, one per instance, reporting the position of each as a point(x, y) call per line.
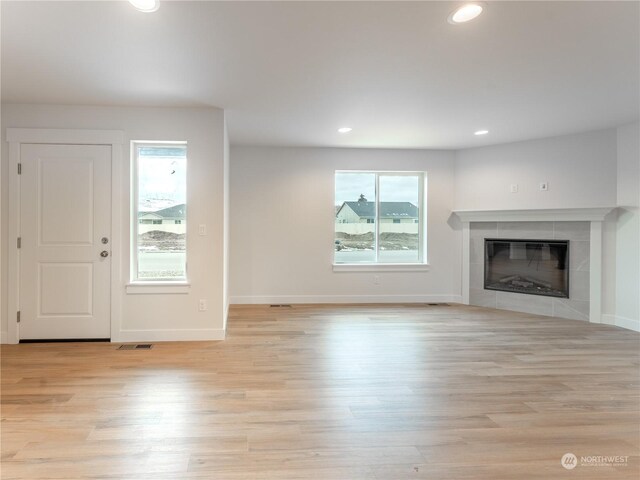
point(19, 242)
point(19, 169)
point(18, 316)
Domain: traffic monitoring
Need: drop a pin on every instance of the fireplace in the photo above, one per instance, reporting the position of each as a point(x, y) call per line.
point(533, 267)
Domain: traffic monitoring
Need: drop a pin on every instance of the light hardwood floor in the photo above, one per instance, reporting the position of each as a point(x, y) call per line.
point(327, 393)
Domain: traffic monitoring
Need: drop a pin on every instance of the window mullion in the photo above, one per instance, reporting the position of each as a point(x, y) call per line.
point(424, 217)
point(134, 217)
point(420, 218)
point(377, 218)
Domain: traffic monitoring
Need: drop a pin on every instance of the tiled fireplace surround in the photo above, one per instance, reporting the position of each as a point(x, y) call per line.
point(583, 229)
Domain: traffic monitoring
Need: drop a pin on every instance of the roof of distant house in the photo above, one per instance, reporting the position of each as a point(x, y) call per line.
point(177, 211)
point(387, 209)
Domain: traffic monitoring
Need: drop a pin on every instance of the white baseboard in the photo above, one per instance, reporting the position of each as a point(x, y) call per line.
point(608, 319)
point(226, 314)
point(170, 335)
point(4, 336)
point(629, 323)
point(622, 322)
point(301, 299)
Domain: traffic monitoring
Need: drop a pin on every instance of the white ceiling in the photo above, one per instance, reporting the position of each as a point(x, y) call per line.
point(291, 73)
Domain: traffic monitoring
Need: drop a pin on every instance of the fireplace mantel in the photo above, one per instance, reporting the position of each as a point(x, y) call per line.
point(595, 216)
point(536, 215)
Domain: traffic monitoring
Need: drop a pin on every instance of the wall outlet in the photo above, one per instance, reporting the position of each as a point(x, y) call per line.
point(544, 186)
point(202, 229)
point(202, 306)
point(514, 188)
point(376, 279)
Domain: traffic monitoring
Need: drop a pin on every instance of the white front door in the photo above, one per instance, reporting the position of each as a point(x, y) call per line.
point(65, 230)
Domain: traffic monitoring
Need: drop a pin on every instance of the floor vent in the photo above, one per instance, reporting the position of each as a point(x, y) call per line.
point(139, 346)
point(438, 304)
point(280, 305)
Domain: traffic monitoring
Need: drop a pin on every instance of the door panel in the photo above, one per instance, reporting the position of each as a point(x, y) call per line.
point(65, 210)
point(64, 219)
point(73, 297)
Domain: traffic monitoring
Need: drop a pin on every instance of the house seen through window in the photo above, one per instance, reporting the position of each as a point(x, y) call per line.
point(159, 211)
point(379, 217)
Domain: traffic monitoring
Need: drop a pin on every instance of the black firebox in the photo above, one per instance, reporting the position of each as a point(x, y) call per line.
point(533, 267)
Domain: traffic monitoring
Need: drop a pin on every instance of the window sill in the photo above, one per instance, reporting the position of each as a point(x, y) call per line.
point(380, 267)
point(157, 288)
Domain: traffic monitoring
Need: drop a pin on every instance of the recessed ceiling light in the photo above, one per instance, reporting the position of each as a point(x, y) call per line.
point(344, 130)
point(465, 13)
point(146, 6)
point(481, 132)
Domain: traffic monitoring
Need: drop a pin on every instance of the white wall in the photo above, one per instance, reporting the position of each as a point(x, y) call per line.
point(153, 317)
point(282, 224)
point(627, 279)
point(580, 170)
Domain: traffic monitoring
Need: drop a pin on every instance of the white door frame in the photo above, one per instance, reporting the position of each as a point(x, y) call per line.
point(18, 136)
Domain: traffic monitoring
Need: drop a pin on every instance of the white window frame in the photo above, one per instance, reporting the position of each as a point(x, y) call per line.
point(422, 263)
point(150, 285)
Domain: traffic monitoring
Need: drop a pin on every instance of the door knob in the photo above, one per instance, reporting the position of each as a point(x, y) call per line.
point(104, 254)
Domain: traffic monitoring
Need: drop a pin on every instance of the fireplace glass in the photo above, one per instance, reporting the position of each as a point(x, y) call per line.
point(534, 267)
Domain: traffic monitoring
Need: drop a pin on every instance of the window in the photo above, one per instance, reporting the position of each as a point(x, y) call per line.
point(379, 217)
point(159, 211)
